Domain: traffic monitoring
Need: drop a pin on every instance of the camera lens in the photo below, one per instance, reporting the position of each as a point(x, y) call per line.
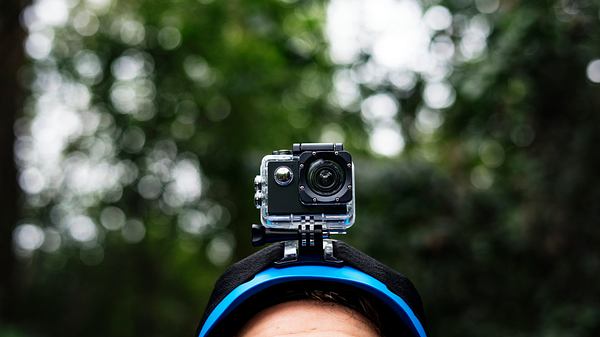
point(325, 177)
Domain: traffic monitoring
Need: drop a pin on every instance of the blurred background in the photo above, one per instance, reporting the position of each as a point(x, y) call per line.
point(131, 131)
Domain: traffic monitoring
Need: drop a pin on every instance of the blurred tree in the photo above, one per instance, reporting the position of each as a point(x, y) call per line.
point(502, 228)
point(473, 126)
point(137, 146)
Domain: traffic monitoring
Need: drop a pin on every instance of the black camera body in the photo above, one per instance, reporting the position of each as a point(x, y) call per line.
point(312, 183)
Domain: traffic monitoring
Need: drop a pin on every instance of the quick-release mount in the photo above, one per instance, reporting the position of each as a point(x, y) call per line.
point(305, 244)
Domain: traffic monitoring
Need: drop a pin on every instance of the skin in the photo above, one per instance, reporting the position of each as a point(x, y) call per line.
point(308, 318)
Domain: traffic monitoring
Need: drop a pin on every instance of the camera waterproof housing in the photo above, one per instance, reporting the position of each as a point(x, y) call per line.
point(311, 184)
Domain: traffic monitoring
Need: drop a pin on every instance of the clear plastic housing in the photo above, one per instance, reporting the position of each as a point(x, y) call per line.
point(335, 223)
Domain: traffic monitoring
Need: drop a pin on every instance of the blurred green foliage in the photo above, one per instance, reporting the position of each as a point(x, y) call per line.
point(137, 191)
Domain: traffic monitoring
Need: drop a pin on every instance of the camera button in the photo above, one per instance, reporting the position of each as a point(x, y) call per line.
point(258, 198)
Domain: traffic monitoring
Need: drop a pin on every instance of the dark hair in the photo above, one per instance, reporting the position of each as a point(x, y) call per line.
point(378, 313)
point(356, 302)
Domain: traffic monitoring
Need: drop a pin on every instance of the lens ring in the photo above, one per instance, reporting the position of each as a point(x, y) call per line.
point(325, 177)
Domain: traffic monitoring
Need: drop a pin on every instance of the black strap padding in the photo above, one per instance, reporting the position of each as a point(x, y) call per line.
point(396, 282)
point(240, 273)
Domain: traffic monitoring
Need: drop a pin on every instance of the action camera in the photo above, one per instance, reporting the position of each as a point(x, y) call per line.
point(313, 183)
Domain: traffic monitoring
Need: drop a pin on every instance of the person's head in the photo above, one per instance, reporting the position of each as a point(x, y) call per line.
point(311, 309)
point(309, 318)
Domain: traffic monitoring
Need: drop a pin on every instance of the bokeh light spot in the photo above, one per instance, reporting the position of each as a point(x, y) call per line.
point(428, 120)
point(82, 228)
point(218, 108)
point(87, 64)
point(386, 140)
point(332, 133)
point(28, 237)
point(99, 6)
point(403, 80)
point(128, 67)
point(149, 187)
point(346, 91)
point(169, 38)
point(487, 6)
point(482, 178)
point(439, 95)
point(593, 71)
point(438, 18)
point(197, 69)
point(192, 221)
point(131, 32)
point(32, 181)
point(52, 12)
point(52, 240)
point(112, 218)
point(185, 185)
point(38, 45)
point(86, 23)
point(379, 107)
point(133, 139)
point(491, 153)
point(474, 38)
point(220, 249)
point(133, 231)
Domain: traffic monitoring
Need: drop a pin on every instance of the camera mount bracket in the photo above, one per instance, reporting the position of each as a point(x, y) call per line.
point(306, 243)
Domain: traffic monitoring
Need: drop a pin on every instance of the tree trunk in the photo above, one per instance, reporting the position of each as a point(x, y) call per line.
point(11, 59)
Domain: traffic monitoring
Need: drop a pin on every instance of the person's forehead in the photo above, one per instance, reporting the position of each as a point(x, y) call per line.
point(307, 318)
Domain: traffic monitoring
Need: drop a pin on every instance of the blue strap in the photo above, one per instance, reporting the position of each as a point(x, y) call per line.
point(345, 274)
